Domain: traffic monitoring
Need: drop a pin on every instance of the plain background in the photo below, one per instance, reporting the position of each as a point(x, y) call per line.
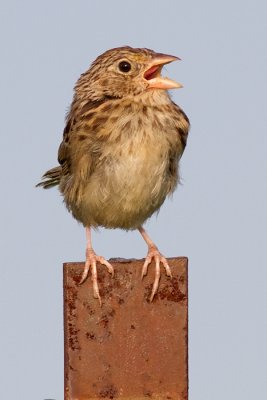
point(217, 217)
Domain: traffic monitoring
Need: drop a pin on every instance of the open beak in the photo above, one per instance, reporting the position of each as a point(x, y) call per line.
point(153, 74)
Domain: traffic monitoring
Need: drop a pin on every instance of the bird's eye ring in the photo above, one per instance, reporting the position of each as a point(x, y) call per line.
point(125, 66)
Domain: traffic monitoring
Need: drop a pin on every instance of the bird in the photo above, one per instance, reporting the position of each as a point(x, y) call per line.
point(119, 157)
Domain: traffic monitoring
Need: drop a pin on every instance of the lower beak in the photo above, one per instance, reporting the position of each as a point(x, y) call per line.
point(152, 74)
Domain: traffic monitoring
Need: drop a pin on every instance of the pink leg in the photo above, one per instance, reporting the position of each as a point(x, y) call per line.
point(90, 262)
point(153, 252)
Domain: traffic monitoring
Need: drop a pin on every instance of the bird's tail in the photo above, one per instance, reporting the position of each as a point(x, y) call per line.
point(51, 178)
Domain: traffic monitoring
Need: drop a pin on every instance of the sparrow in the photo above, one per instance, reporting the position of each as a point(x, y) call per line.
point(122, 142)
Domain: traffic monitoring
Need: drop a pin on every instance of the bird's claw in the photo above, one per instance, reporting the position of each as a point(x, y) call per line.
point(153, 252)
point(91, 260)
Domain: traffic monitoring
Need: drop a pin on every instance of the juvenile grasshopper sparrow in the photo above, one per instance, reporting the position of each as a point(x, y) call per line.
point(122, 142)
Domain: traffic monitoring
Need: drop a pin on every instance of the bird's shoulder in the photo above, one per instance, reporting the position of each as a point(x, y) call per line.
point(181, 123)
point(85, 123)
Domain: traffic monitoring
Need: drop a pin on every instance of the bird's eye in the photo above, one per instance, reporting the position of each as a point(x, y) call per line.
point(124, 66)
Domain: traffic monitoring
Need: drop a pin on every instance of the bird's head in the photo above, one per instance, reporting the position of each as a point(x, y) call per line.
point(123, 72)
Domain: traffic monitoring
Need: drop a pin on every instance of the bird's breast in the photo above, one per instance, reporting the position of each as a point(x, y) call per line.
point(130, 181)
point(136, 153)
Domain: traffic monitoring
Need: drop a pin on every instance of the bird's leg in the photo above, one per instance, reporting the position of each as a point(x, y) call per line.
point(90, 262)
point(153, 252)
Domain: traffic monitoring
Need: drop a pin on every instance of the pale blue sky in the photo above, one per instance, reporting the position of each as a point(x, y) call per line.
point(217, 218)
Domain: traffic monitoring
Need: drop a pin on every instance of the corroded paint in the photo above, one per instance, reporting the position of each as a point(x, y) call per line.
point(129, 348)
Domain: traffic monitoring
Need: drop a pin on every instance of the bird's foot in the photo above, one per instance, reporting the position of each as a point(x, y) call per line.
point(153, 252)
point(90, 262)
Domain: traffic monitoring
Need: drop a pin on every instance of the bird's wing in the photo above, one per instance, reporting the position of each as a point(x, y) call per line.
point(182, 126)
point(64, 153)
point(177, 144)
point(75, 155)
point(79, 151)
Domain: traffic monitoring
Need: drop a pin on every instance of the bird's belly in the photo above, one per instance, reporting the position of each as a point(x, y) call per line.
point(127, 189)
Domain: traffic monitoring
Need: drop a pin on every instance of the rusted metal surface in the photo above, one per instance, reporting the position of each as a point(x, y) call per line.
point(129, 348)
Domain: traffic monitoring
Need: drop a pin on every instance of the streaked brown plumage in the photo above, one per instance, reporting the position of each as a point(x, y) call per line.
point(121, 146)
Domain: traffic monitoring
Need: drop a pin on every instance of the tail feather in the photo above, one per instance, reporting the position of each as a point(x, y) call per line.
point(51, 178)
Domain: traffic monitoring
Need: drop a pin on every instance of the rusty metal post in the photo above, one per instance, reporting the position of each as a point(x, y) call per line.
point(129, 348)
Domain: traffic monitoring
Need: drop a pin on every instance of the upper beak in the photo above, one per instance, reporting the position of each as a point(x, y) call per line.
point(152, 74)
